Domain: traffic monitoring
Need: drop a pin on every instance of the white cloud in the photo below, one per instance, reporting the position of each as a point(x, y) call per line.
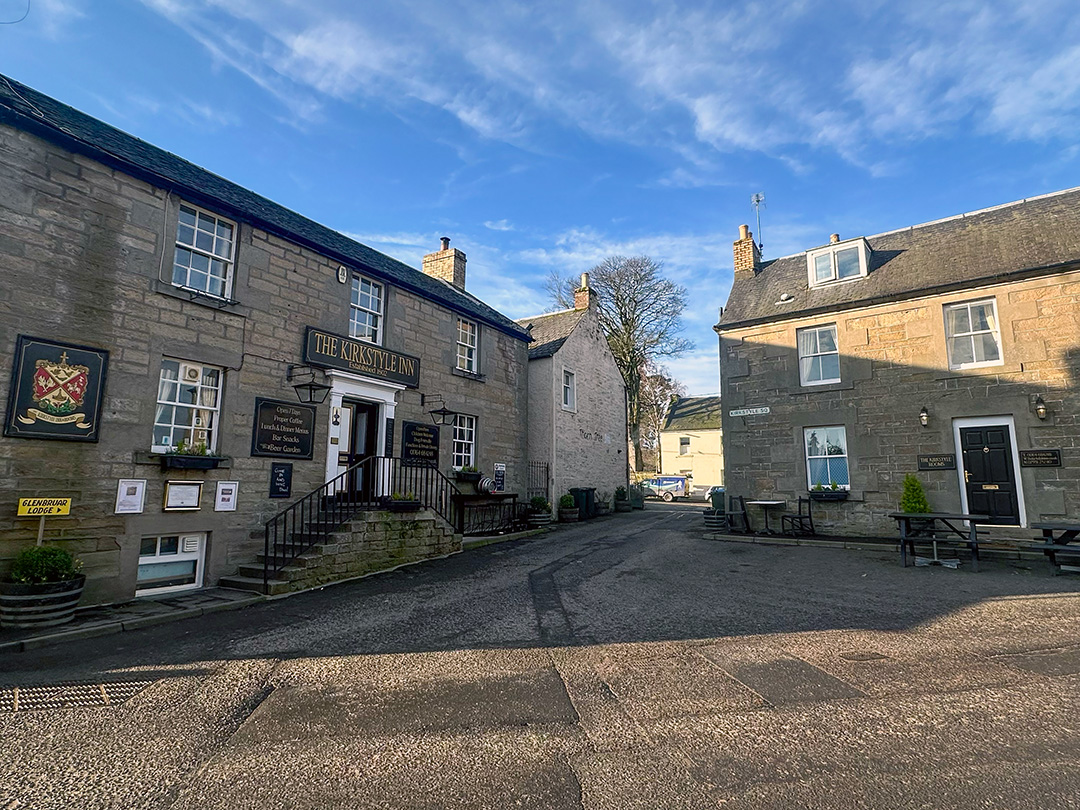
point(499, 225)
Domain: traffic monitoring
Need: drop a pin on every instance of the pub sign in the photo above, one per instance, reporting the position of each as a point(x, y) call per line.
point(328, 350)
point(283, 429)
point(419, 444)
point(56, 391)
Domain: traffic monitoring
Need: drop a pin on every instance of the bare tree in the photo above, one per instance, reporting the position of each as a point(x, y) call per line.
point(640, 312)
point(658, 390)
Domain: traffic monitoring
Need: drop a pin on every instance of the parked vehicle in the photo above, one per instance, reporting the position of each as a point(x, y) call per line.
point(709, 493)
point(667, 487)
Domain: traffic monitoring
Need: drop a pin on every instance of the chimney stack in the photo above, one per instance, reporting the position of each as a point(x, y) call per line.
point(834, 238)
point(584, 297)
point(447, 264)
point(747, 255)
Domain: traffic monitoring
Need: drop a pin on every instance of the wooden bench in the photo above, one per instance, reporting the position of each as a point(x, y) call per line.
point(1057, 538)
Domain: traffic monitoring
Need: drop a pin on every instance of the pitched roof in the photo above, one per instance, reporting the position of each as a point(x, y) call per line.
point(1030, 237)
point(550, 331)
point(27, 109)
point(693, 413)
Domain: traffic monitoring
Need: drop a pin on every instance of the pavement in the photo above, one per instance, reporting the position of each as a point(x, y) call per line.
point(628, 662)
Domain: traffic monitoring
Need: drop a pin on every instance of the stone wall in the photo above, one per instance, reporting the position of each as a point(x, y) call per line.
point(85, 258)
point(893, 363)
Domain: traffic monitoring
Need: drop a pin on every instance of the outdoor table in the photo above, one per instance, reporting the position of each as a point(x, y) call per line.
point(1057, 537)
point(765, 507)
point(948, 520)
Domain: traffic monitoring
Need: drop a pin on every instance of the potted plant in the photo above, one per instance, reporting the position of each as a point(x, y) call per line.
point(622, 500)
point(913, 502)
point(401, 502)
point(186, 456)
point(468, 473)
point(832, 492)
point(539, 511)
point(568, 512)
point(603, 503)
point(42, 589)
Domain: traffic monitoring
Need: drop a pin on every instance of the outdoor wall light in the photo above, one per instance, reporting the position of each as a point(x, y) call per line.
point(439, 416)
point(310, 392)
point(924, 417)
point(1040, 407)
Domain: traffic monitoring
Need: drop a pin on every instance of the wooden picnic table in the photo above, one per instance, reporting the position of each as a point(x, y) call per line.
point(1057, 537)
point(949, 521)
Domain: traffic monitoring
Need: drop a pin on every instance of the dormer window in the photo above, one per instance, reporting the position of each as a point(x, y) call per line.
point(840, 261)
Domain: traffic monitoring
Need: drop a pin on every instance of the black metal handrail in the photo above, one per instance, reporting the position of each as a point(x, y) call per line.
point(366, 485)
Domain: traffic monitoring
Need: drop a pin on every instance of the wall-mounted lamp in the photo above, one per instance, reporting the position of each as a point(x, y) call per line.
point(439, 416)
point(924, 417)
point(310, 392)
point(1040, 407)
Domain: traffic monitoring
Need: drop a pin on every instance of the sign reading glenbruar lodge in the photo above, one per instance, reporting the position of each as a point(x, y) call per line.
point(56, 391)
point(348, 354)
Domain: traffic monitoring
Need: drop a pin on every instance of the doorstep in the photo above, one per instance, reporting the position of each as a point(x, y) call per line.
point(103, 620)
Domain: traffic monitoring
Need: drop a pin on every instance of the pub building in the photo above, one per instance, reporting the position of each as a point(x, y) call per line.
point(187, 359)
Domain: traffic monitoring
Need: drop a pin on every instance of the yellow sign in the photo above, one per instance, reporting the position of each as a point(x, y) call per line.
point(44, 506)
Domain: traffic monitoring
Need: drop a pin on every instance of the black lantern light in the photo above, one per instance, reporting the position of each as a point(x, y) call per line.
point(1040, 407)
point(310, 392)
point(924, 417)
point(441, 415)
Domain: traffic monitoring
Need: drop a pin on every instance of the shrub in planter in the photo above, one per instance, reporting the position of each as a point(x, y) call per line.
point(402, 502)
point(568, 512)
point(539, 511)
point(913, 501)
point(43, 588)
point(622, 500)
point(468, 473)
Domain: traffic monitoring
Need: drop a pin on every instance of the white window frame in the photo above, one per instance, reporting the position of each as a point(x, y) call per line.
point(569, 390)
point(210, 255)
point(805, 366)
point(361, 329)
point(846, 456)
point(831, 251)
point(468, 351)
point(995, 330)
point(189, 375)
point(464, 441)
point(198, 555)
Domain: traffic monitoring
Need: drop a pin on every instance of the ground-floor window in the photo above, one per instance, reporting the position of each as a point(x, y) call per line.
point(170, 562)
point(464, 441)
point(826, 457)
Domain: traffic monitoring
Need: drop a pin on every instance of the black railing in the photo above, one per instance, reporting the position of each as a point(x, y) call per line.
point(367, 485)
point(478, 515)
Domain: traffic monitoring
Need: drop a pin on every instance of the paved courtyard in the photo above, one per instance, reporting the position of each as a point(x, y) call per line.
point(625, 663)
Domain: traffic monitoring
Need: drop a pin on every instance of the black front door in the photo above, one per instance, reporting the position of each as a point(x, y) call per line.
point(988, 473)
point(360, 443)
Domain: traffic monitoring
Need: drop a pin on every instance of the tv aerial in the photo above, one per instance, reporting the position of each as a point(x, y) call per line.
point(758, 201)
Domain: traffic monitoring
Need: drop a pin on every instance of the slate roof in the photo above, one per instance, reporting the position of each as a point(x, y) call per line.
point(1030, 237)
point(27, 109)
point(693, 413)
point(549, 332)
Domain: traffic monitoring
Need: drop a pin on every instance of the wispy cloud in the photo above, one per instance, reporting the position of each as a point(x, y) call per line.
point(498, 225)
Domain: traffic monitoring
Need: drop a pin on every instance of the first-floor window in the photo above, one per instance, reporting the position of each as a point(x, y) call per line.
point(684, 445)
point(464, 441)
point(170, 562)
point(188, 402)
point(569, 391)
point(467, 333)
point(826, 457)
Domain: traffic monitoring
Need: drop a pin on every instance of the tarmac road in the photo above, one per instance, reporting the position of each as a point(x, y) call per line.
point(622, 663)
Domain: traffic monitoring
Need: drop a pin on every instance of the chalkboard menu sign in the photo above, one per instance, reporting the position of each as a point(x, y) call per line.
point(419, 444)
point(500, 476)
point(280, 480)
point(283, 429)
point(1040, 458)
point(941, 461)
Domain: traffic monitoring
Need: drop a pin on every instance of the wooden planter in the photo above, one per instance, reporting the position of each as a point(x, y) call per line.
point(539, 519)
point(568, 515)
point(829, 495)
point(26, 605)
point(179, 461)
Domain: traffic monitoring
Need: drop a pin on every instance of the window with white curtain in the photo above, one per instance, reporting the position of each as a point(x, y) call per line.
point(826, 457)
point(819, 356)
point(972, 334)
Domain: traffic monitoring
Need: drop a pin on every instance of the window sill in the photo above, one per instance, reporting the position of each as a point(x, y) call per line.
point(164, 460)
point(468, 375)
point(979, 371)
point(208, 301)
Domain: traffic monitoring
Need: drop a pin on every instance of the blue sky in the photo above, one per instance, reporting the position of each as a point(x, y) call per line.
point(551, 135)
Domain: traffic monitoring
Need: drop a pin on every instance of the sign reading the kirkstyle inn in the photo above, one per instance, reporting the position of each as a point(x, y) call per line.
point(283, 429)
point(56, 391)
point(1040, 458)
point(941, 461)
point(419, 444)
point(348, 354)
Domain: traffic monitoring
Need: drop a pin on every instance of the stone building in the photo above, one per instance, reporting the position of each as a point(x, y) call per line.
point(150, 305)
point(692, 441)
point(577, 400)
point(949, 350)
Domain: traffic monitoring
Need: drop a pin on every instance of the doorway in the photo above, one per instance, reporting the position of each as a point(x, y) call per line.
point(359, 437)
point(989, 478)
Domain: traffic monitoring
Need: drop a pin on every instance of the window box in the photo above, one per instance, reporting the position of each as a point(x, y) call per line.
point(401, 505)
point(829, 495)
point(179, 461)
point(468, 477)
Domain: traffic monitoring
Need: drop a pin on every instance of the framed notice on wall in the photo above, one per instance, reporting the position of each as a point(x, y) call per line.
point(225, 497)
point(130, 496)
point(182, 496)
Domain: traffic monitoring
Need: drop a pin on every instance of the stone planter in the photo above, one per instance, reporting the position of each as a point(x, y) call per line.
point(179, 461)
point(623, 506)
point(25, 605)
point(568, 515)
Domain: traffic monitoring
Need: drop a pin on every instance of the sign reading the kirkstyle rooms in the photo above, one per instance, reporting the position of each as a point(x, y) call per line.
point(283, 429)
point(941, 461)
point(336, 351)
